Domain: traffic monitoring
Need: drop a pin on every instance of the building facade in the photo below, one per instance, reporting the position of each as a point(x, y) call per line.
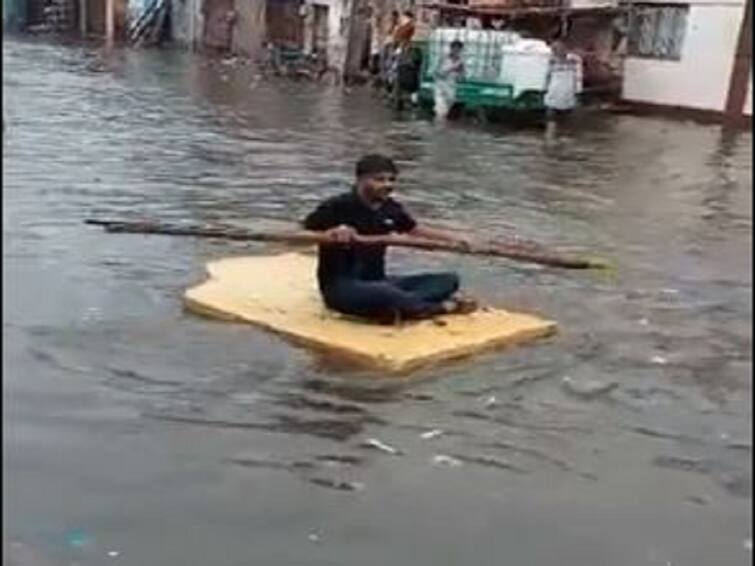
point(244, 27)
point(686, 54)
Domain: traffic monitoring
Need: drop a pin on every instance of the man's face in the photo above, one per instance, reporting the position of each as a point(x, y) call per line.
point(377, 187)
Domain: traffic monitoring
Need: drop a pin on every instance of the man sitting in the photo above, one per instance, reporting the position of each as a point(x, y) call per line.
point(352, 277)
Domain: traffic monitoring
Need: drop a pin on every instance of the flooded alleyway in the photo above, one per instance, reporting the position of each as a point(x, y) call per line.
point(138, 434)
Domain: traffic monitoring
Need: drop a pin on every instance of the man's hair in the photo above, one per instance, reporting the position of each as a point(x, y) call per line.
point(375, 163)
point(456, 44)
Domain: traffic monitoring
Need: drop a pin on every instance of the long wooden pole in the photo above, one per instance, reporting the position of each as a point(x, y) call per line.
point(525, 253)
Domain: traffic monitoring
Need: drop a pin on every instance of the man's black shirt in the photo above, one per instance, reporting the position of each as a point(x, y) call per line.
point(344, 261)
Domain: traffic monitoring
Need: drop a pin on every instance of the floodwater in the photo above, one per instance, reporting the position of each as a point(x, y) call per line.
point(138, 434)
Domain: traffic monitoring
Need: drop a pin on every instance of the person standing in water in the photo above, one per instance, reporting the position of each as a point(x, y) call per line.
point(388, 45)
point(563, 84)
point(449, 72)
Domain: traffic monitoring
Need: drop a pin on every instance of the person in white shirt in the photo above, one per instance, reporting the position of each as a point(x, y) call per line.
point(450, 71)
point(563, 84)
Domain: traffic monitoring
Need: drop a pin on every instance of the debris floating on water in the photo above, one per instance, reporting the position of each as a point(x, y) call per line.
point(380, 445)
point(490, 402)
point(431, 434)
point(588, 389)
point(313, 537)
point(698, 500)
point(113, 553)
point(339, 459)
point(490, 462)
point(588, 476)
point(660, 360)
point(747, 544)
point(445, 460)
point(337, 484)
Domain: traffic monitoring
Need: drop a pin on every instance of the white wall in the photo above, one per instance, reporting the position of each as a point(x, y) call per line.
point(701, 79)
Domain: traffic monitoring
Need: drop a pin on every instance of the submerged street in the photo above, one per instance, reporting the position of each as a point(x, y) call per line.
point(139, 434)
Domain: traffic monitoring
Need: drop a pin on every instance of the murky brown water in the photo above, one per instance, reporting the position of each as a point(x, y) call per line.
point(137, 434)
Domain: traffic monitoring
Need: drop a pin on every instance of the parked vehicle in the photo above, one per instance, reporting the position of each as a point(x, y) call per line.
point(503, 69)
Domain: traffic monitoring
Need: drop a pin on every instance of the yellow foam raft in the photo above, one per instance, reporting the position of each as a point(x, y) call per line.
point(280, 293)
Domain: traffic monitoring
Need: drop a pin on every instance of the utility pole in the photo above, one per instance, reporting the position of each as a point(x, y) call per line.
point(83, 18)
point(109, 23)
point(742, 68)
point(192, 8)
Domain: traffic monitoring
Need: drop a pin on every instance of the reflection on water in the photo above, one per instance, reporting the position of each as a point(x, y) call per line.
point(139, 424)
